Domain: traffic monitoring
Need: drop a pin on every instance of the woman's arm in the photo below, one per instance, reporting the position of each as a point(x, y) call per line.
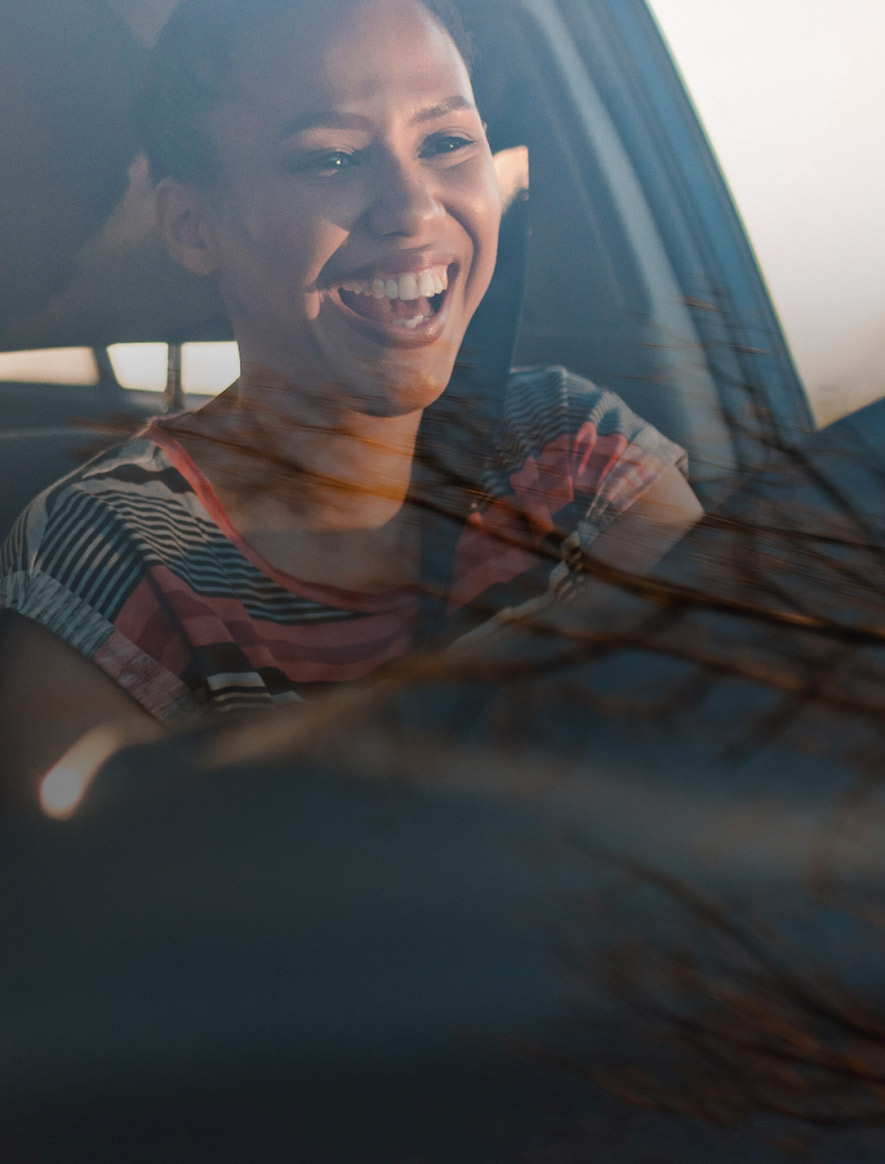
point(50, 696)
point(656, 520)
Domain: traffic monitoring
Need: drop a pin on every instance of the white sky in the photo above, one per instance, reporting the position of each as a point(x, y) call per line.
point(792, 94)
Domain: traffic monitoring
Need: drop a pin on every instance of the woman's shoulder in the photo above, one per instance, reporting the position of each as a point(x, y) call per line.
point(139, 466)
point(135, 474)
point(543, 405)
point(554, 396)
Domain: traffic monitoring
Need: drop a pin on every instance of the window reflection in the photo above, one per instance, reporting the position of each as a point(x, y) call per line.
point(140, 366)
point(207, 368)
point(75, 366)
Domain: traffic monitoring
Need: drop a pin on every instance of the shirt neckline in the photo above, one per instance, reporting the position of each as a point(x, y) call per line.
point(326, 595)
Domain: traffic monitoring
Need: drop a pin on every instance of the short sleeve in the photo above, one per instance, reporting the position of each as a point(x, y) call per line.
point(576, 455)
point(69, 565)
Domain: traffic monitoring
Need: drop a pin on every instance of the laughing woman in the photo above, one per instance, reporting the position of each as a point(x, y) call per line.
point(325, 163)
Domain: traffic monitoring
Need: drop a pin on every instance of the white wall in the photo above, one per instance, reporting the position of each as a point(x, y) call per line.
point(792, 94)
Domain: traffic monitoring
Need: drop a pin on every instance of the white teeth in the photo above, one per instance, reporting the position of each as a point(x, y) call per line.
point(431, 281)
point(426, 284)
point(412, 323)
point(408, 287)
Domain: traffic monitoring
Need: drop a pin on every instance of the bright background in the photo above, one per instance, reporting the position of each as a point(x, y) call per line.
point(792, 94)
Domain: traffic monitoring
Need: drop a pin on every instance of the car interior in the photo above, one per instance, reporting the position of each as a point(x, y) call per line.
point(156, 1008)
point(636, 271)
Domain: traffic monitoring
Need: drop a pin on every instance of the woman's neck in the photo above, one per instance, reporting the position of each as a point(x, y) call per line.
point(285, 458)
point(318, 489)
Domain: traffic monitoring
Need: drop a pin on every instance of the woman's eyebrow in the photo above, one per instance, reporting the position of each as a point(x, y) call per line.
point(330, 119)
point(322, 119)
point(431, 112)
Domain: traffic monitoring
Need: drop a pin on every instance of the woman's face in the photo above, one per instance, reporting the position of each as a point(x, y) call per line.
point(356, 218)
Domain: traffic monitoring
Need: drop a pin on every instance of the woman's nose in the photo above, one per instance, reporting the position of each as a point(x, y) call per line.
point(404, 200)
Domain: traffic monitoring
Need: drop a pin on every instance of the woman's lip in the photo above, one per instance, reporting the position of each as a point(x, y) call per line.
point(396, 334)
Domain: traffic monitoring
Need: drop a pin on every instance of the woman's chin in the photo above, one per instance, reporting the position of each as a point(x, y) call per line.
point(399, 392)
point(396, 383)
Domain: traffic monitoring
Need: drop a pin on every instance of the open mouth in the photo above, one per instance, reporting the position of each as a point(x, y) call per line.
point(408, 301)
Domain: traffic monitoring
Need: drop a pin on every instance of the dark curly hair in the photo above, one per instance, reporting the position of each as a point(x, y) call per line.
point(192, 58)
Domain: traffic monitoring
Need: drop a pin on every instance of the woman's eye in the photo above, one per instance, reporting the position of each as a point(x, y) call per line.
point(323, 163)
point(447, 143)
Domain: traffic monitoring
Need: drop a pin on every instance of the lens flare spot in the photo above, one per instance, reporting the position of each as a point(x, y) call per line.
point(62, 789)
point(67, 781)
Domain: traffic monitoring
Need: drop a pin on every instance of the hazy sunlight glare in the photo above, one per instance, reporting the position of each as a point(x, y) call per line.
point(141, 366)
point(208, 368)
point(788, 91)
point(50, 366)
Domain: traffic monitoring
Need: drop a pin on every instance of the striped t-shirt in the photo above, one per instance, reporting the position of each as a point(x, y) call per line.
point(132, 561)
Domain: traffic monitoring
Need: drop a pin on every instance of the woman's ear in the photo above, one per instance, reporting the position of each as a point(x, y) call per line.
point(185, 225)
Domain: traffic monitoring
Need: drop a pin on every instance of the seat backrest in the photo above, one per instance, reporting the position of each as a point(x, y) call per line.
point(48, 430)
point(31, 460)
